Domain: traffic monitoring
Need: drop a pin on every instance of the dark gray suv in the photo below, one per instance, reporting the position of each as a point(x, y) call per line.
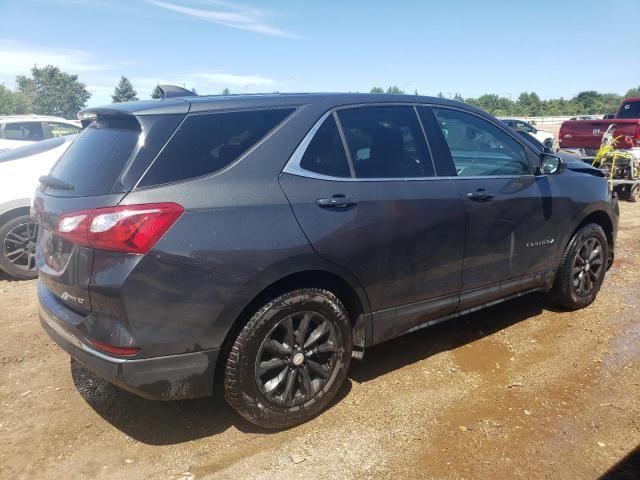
point(265, 240)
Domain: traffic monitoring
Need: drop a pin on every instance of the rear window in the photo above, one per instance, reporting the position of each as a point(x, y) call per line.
point(207, 143)
point(630, 110)
point(95, 160)
point(110, 155)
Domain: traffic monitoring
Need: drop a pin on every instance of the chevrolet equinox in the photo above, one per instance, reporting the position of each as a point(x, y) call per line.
point(265, 240)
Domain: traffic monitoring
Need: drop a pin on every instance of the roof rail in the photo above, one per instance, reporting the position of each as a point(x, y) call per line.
point(172, 91)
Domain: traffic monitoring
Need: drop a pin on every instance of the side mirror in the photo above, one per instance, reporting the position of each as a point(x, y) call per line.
point(534, 130)
point(550, 164)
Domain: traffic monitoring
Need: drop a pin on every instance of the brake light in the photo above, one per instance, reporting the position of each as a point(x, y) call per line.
point(105, 347)
point(125, 228)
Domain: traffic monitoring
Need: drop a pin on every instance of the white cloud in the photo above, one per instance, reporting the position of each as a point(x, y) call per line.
point(228, 14)
point(18, 58)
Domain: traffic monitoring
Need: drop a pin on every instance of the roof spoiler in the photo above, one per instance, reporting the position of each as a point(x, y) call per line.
point(90, 114)
point(172, 91)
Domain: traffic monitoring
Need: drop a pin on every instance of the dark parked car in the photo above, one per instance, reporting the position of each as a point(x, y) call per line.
point(265, 240)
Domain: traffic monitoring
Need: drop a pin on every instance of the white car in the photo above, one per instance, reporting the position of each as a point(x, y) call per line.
point(544, 137)
point(19, 130)
point(20, 169)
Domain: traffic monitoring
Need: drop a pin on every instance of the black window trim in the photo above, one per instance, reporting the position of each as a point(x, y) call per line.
point(293, 164)
point(293, 110)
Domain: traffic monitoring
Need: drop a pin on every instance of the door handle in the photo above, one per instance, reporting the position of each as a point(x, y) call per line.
point(337, 201)
point(479, 196)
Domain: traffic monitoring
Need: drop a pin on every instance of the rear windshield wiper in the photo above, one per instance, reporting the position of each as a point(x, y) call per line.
point(54, 182)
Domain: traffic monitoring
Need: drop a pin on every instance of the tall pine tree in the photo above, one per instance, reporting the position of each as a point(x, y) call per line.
point(124, 91)
point(157, 93)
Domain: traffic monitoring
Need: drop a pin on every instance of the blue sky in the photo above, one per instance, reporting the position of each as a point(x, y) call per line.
point(555, 48)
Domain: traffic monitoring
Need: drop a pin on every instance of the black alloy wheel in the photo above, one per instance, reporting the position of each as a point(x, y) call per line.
point(289, 360)
point(296, 358)
point(582, 268)
point(18, 253)
point(587, 263)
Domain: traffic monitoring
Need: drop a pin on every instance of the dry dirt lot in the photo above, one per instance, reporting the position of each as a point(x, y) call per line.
point(516, 391)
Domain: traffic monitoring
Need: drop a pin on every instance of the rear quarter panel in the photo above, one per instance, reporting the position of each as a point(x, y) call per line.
point(238, 235)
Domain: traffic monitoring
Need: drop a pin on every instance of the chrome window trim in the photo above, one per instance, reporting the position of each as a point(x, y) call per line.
point(293, 164)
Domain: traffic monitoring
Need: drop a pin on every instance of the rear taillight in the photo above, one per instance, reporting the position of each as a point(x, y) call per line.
point(105, 347)
point(126, 228)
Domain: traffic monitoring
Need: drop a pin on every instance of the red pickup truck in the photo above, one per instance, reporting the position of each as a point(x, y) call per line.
point(586, 135)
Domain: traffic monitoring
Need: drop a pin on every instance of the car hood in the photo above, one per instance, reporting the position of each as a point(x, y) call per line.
point(575, 164)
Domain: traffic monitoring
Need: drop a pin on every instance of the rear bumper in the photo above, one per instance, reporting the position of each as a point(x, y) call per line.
point(170, 377)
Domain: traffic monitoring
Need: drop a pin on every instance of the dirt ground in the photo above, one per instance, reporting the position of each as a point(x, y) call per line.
point(517, 391)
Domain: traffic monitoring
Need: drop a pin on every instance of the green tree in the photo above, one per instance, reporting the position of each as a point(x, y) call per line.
point(394, 90)
point(50, 91)
point(494, 104)
point(633, 92)
point(12, 103)
point(528, 104)
point(587, 101)
point(609, 102)
point(193, 90)
point(156, 93)
point(124, 91)
point(377, 90)
point(440, 95)
point(458, 98)
point(226, 91)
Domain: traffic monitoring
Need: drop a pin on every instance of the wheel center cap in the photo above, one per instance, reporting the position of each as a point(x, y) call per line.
point(298, 359)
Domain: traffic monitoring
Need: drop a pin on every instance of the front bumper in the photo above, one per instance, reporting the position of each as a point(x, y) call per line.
point(170, 377)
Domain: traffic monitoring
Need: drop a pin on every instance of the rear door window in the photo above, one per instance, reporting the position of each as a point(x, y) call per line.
point(325, 154)
point(207, 143)
point(386, 142)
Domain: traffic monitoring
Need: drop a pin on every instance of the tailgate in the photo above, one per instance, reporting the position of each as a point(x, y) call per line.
point(588, 133)
point(97, 171)
point(65, 268)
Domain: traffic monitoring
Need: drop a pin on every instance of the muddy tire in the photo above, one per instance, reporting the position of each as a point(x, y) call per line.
point(18, 248)
point(582, 269)
point(634, 192)
point(290, 359)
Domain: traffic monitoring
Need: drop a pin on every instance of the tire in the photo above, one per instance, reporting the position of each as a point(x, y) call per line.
point(634, 192)
point(272, 383)
point(582, 269)
point(18, 248)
